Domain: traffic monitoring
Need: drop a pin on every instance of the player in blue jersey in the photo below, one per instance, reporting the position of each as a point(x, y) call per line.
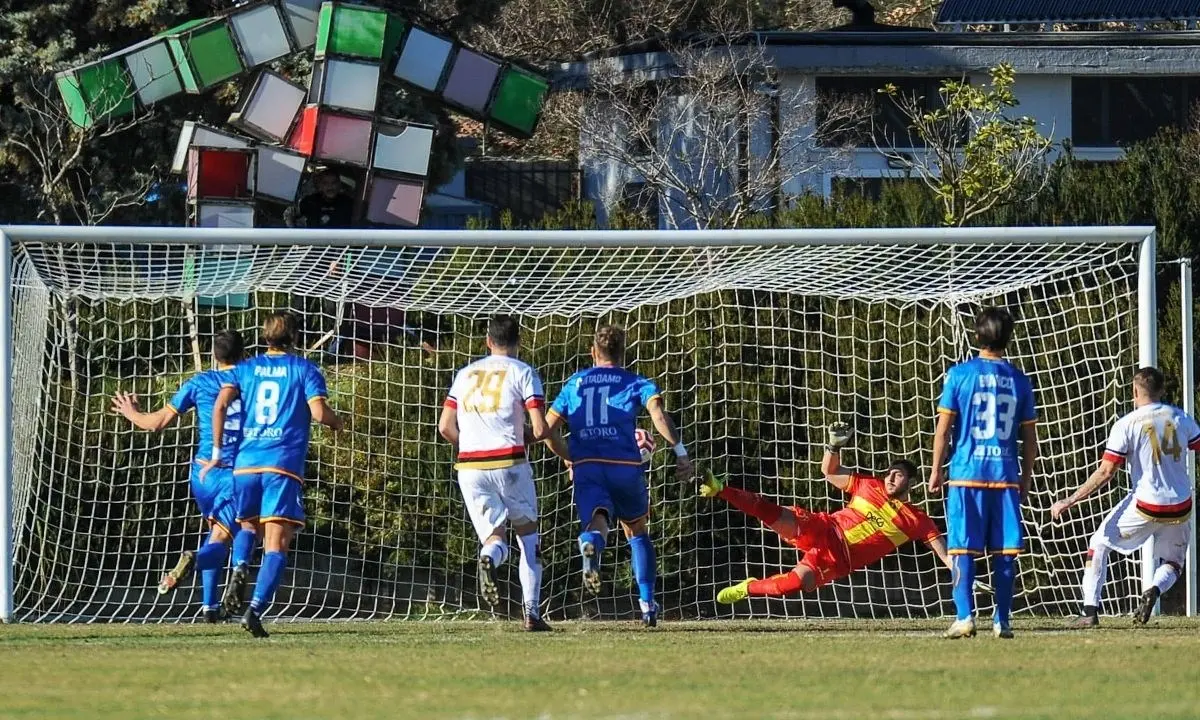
point(601, 405)
point(213, 494)
point(282, 394)
point(986, 407)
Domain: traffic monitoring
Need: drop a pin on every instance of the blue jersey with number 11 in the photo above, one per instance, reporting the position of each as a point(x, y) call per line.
point(991, 399)
point(601, 406)
point(276, 389)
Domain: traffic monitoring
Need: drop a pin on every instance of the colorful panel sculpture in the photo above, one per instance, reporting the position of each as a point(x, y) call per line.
point(518, 101)
point(472, 77)
point(392, 200)
point(152, 70)
point(219, 173)
point(343, 139)
point(268, 109)
point(344, 84)
point(423, 59)
point(357, 31)
point(402, 147)
point(279, 174)
point(194, 133)
point(204, 52)
point(96, 92)
point(261, 34)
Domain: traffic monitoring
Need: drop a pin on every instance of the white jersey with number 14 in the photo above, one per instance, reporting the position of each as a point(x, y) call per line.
point(1154, 440)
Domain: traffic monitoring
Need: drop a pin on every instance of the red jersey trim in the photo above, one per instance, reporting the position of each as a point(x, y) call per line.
point(1113, 457)
point(450, 403)
point(517, 451)
point(537, 401)
point(1176, 512)
point(1194, 443)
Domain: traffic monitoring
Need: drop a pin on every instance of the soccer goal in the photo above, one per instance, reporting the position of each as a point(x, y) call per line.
point(759, 339)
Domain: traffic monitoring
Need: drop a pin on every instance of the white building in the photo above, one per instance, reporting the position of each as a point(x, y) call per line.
point(1099, 90)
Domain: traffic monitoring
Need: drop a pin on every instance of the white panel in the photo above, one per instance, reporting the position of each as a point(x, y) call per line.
point(229, 216)
point(196, 134)
point(280, 173)
point(350, 85)
point(404, 150)
point(153, 71)
point(261, 35)
point(302, 17)
point(273, 105)
point(423, 59)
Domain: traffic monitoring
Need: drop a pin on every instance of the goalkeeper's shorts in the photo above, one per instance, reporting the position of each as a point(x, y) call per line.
point(824, 548)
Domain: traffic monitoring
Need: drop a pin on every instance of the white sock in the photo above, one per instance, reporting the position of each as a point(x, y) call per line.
point(1094, 574)
point(1165, 576)
point(531, 574)
point(497, 550)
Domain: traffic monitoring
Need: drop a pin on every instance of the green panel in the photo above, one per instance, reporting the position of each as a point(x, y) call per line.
point(179, 55)
point(324, 22)
point(73, 100)
point(519, 100)
point(391, 41)
point(215, 57)
point(358, 32)
point(96, 92)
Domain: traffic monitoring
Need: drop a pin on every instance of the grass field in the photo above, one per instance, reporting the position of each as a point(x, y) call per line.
point(827, 670)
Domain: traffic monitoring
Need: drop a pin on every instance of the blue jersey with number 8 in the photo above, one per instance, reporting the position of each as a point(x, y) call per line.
point(275, 390)
point(990, 399)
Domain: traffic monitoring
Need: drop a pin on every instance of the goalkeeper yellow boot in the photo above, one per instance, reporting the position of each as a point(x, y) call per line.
point(712, 485)
point(735, 593)
point(960, 629)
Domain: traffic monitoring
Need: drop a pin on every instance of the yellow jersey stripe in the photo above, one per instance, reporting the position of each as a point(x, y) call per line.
point(879, 519)
point(488, 464)
point(946, 411)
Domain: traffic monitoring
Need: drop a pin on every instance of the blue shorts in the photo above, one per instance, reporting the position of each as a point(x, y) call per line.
point(618, 489)
point(980, 520)
point(214, 495)
point(269, 496)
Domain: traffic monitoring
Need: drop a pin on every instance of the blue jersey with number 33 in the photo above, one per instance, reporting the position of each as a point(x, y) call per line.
point(990, 399)
point(275, 390)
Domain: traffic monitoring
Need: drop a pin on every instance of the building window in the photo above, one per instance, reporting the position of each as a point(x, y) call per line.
point(886, 126)
point(1119, 111)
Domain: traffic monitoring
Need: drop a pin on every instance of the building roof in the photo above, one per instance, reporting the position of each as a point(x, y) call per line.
point(959, 12)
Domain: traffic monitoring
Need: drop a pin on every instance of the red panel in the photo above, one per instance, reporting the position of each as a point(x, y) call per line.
point(304, 134)
point(218, 173)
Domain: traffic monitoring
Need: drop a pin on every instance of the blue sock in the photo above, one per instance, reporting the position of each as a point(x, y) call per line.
point(964, 580)
point(210, 560)
point(211, 556)
point(596, 539)
point(1004, 576)
point(269, 576)
point(243, 546)
point(644, 570)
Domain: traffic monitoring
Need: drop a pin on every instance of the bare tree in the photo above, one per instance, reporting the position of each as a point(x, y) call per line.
point(72, 182)
point(710, 136)
point(978, 154)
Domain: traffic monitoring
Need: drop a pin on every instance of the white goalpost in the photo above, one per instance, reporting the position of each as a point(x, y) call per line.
point(758, 338)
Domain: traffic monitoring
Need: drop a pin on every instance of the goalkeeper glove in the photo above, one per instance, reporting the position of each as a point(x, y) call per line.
point(839, 434)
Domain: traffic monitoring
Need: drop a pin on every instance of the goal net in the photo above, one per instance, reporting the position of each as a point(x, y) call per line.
point(758, 340)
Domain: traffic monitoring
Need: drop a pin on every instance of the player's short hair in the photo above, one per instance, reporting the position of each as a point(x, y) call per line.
point(281, 330)
point(610, 342)
point(994, 328)
point(228, 347)
point(907, 467)
point(504, 330)
point(1151, 381)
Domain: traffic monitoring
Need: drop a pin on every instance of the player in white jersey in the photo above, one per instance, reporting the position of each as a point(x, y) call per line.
point(484, 416)
point(1154, 439)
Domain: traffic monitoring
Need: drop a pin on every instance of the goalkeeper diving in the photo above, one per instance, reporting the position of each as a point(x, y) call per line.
point(877, 520)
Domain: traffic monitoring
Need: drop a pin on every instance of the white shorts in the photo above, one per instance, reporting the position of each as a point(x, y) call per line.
point(1125, 529)
point(493, 497)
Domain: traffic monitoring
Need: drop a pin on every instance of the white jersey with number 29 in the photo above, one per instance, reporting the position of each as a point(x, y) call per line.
point(489, 397)
point(1154, 440)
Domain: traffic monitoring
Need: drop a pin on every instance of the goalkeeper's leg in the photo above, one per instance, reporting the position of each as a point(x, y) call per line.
point(753, 504)
point(801, 578)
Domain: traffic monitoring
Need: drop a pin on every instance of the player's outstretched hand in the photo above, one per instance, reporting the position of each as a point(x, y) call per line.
point(839, 435)
point(125, 404)
point(1059, 508)
point(684, 469)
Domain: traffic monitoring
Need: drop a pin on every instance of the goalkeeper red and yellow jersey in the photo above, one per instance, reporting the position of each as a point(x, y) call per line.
point(874, 524)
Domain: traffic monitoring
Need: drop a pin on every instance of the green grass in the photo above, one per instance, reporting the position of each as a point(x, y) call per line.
point(826, 670)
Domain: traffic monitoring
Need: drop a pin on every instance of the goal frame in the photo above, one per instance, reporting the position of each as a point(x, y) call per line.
point(1144, 236)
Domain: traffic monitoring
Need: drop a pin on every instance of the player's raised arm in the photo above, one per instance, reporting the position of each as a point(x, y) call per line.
point(666, 427)
point(127, 404)
point(1099, 477)
point(839, 434)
